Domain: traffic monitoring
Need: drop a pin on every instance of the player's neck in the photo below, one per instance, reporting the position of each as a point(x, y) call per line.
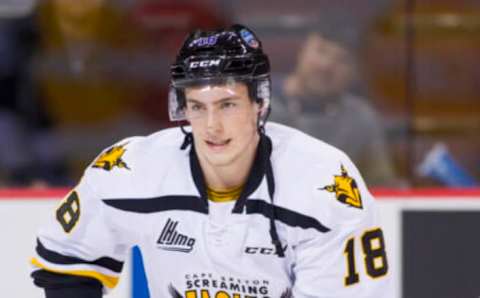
point(232, 175)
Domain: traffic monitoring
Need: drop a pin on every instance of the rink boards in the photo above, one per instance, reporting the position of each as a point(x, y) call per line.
point(431, 234)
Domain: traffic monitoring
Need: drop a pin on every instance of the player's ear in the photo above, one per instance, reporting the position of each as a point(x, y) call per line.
point(257, 108)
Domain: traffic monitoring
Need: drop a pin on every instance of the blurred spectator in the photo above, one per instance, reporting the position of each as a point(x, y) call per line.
point(103, 68)
point(83, 64)
point(315, 99)
point(88, 76)
point(22, 120)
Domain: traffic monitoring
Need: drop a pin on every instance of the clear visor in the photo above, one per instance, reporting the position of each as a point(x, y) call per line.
point(177, 105)
point(212, 81)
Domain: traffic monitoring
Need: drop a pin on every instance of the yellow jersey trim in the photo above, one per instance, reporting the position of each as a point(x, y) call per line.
point(224, 195)
point(109, 281)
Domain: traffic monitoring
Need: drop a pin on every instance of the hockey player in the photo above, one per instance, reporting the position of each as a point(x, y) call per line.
point(228, 207)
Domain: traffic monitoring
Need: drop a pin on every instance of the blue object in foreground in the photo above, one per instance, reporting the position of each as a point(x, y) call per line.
point(139, 279)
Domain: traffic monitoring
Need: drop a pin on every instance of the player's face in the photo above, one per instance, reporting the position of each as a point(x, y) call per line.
point(224, 123)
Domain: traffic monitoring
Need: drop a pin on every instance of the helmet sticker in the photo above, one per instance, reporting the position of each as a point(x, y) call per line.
point(248, 37)
point(204, 41)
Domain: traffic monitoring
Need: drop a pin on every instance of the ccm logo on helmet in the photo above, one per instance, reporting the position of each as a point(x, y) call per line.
point(205, 63)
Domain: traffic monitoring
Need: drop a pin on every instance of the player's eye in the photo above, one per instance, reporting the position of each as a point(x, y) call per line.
point(228, 105)
point(196, 107)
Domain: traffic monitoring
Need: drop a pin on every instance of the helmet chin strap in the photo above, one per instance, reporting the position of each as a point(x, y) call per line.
point(260, 127)
point(188, 140)
point(262, 119)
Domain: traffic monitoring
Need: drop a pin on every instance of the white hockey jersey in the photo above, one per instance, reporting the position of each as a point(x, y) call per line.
point(145, 191)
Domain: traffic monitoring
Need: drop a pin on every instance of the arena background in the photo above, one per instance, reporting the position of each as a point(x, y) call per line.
point(77, 76)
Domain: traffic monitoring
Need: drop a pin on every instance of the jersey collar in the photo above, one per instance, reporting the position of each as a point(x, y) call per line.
point(255, 176)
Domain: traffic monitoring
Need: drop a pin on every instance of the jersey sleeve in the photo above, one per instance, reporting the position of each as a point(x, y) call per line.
point(79, 240)
point(351, 260)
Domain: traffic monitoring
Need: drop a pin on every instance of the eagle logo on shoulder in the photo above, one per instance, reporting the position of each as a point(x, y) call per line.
point(112, 158)
point(345, 189)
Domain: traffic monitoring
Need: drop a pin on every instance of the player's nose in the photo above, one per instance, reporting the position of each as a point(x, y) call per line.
point(213, 120)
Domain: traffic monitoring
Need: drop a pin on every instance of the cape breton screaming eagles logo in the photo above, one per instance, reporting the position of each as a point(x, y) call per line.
point(345, 189)
point(207, 285)
point(112, 158)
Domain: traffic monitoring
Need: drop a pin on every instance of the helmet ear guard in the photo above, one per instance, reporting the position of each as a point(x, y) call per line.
point(176, 104)
point(262, 89)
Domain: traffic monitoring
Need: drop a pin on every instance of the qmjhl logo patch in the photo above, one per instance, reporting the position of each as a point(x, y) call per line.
point(172, 240)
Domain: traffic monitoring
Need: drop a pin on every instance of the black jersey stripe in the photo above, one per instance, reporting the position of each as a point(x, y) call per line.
point(57, 258)
point(165, 203)
point(51, 280)
point(286, 216)
point(192, 203)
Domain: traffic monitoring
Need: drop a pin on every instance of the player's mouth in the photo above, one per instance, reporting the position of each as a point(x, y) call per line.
point(217, 145)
